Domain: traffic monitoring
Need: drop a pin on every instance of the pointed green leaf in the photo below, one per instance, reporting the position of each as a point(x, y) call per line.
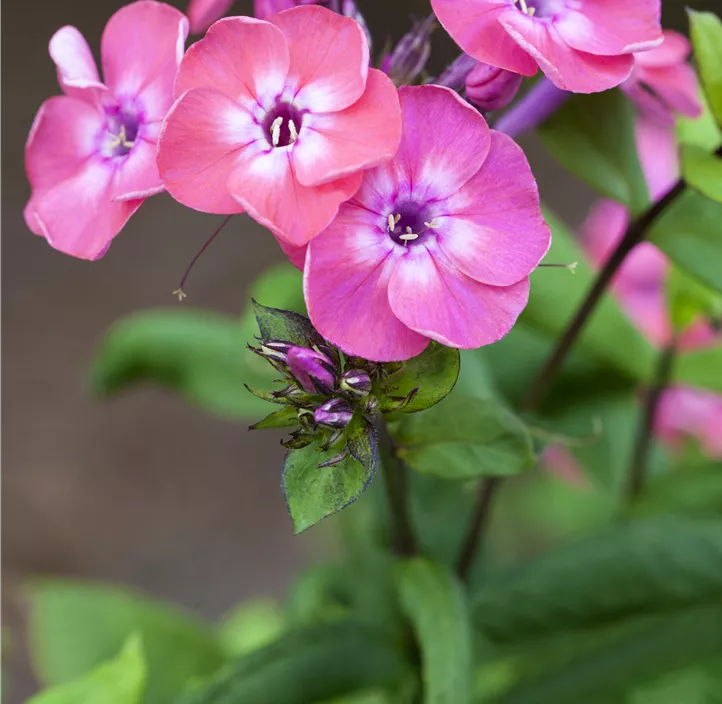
point(593, 137)
point(646, 567)
point(308, 665)
point(706, 32)
point(312, 493)
point(688, 231)
point(362, 442)
point(76, 626)
point(118, 681)
point(464, 437)
point(199, 355)
point(285, 325)
point(435, 603)
point(703, 171)
point(434, 372)
point(689, 301)
point(286, 417)
point(699, 131)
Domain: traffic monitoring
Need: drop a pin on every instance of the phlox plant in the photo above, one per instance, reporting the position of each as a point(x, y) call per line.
point(517, 427)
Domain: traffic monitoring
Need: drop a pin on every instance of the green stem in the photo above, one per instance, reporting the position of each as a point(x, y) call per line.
point(477, 526)
point(640, 454)
point(394, 471)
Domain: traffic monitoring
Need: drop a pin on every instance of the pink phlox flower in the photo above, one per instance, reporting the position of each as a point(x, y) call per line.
point(278, 119)
point(662, 83)
point(640, 288)
point(583, 46)
point(91, 154)
point(686, 412)
point(437, 244)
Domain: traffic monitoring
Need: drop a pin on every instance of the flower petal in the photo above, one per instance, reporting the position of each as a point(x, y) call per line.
point(345, 285)
point(673, 50)
point(611, 27)
point(137, 176)
point(444, 142)
point(334, 144)
point(77, 216)
point(264, 183)
point(658, 155)
point(677, 86)
point(329, 57)
point(475, 27)
point(77, 73)
point(141, 48)
point(243, 58)
point(63, 137)
point(430, 295)
point(203, 13)
point(493, 229)
point(565, 67)
point(199, 146)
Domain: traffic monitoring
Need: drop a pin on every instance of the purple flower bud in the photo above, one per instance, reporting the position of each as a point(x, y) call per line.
point(313, 370)
point(275, 349)
point(408, 59)
point(336, 413)
point(455, 75)
point(491, 88)
point(357, 382)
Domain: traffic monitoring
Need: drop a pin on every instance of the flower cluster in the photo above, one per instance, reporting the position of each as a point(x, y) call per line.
point(411, 219)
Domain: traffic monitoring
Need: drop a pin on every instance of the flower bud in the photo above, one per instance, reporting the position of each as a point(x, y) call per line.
point(356, 382)
point(454, 76)
point(408, 59)
point(306, 420)
point(313, 370)
point(275, 349)
point(336, 413)
point(491, 88)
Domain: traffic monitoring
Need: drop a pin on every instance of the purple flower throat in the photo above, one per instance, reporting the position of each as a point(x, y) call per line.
point(410, 223)
point(119, 132)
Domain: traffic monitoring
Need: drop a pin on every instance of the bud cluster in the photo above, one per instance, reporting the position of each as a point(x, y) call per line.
point(323, 391)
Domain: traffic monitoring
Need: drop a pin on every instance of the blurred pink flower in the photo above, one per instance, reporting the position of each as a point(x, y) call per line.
point(278, 119)
point(583, 46)
point(640, 287)
point(203, 13)
point(437, 244)
point(662, 83)
point(91, 154)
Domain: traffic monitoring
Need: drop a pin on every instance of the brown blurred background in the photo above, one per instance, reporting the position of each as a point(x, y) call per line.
point(140, 489)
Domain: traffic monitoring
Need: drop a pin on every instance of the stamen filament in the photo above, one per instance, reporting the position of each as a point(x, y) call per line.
point(276, 131)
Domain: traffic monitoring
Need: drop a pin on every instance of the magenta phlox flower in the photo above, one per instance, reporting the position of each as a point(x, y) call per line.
point(662, 83)
point(278, 119)
point(583, 46)
point(437, 244)
point(640, 288)
point(91, 154)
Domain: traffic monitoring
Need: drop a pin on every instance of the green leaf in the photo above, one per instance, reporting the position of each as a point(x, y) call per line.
point(700, 131)
point(197, 354)
point(690, 300)
point(688, 231)
point(606, 673)
point(703, 171)
point(464, 437)
point(435, 604)
point(556, 294)
point(700, 368)
point(642, 568)
point(119, 681)
point(312, 493)
point(76, 626)
point(285, 325)
point(434, 372)
point(250, 626)
point(593, 137)
point(706, 32)
point(308, 665)
point(286, 417)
